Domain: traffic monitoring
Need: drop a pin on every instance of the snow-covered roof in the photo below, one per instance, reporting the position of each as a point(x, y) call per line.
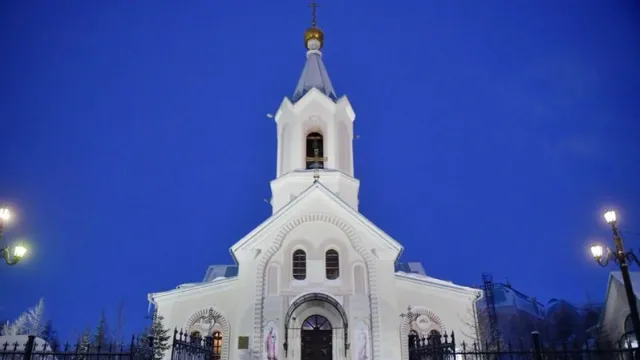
point(410, 267)
point(431, 280)
point(508, 297)
point(314, 75)
point(21, 341)
point(218, 271)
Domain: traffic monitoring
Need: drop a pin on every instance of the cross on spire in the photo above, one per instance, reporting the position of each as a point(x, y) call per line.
point(313, 7)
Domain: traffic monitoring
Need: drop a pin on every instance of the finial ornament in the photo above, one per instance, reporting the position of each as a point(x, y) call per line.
point(313, 37)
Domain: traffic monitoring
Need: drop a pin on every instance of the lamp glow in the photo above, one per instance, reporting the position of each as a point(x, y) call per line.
point(5, 214)
point(597, 251)
point(19, 251)
point(610, 216)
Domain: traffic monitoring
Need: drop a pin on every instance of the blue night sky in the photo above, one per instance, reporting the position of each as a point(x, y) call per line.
point(135, 149)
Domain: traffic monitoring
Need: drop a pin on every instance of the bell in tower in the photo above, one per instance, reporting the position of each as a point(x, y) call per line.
point(315, 151)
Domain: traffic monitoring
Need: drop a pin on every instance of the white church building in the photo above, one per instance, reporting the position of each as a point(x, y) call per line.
point(317, 280)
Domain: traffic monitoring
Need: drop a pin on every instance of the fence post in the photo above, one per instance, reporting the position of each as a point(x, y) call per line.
point(537, 347)
point(28, 347)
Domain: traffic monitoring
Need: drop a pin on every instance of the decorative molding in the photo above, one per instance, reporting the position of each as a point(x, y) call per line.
point(218, 318)
point(356, 243)
point(405, 327)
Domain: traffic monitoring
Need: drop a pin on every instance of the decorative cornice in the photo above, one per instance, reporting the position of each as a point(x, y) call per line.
point(356, 243)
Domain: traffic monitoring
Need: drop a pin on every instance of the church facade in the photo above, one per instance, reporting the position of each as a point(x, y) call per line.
point(317, 280)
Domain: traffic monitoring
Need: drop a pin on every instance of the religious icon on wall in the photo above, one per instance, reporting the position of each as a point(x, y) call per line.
point(271, 341)
point(361, 348)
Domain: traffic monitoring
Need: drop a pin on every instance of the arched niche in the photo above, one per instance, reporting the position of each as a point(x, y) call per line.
point(421, 322)
point(207, 322)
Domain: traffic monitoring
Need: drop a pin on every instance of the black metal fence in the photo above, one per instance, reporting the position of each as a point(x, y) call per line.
point(187, 347)
point(138, 349)
point(445, 348)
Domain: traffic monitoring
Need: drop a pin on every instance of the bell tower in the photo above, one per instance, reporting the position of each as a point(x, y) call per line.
point(315, 133)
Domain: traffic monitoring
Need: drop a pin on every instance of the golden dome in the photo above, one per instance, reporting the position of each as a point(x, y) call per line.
point(313, 33)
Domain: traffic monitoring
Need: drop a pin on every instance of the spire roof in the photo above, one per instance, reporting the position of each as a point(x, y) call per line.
point(314, 75)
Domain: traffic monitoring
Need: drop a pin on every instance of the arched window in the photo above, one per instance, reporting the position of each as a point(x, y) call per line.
point(299, 265)
point(315, 151)
point(217, 345)
point(414, 339)
point(332, 264)
point(316, 322)
point(434, 338)
point(628, 325)
point(195, 337)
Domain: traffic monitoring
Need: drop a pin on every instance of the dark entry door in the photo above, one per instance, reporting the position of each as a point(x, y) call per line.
point(316, 338)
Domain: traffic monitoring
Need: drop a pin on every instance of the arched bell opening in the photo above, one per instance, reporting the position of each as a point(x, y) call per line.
point(315, 151)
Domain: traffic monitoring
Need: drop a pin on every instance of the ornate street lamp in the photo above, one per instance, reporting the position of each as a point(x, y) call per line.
point(622, 258)
point(11, 254)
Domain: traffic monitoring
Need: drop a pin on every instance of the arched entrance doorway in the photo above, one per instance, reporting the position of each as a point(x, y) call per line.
point(316, 338)
point(316, 327)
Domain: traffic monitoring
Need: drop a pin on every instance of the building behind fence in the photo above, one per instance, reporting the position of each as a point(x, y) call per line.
point(445, 348)
point(185, 347)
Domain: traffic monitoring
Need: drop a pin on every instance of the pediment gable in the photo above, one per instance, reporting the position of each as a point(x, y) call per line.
point(317, 199)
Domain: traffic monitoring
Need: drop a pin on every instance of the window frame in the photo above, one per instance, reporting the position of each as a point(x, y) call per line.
point(299, 264)
point(216, 343)
point(329, 269)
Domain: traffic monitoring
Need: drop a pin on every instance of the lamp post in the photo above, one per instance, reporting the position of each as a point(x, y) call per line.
point(11, 254)
point(622, 258)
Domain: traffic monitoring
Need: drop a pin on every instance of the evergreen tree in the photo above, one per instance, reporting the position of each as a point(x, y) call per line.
point(17, 327)
point(100, 337)
point(83, 344)
point(51, 336)
point(118, 335)
point(35, 320)
point(31, 322)
point(160, 337)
